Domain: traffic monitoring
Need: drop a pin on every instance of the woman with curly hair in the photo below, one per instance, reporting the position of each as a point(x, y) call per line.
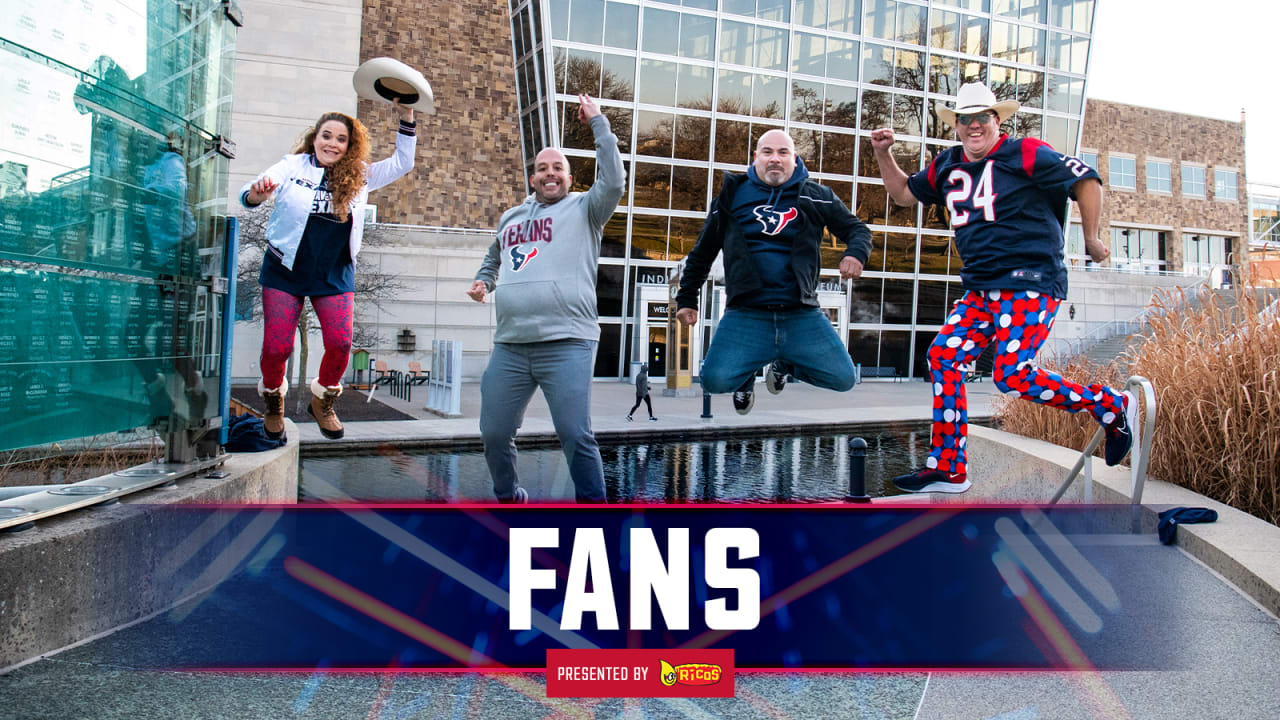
point(313, 238)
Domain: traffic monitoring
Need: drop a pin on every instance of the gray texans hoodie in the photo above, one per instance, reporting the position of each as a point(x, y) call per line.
point(541, 267)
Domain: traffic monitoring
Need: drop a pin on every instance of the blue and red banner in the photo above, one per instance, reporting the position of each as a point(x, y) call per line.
point(780, 586)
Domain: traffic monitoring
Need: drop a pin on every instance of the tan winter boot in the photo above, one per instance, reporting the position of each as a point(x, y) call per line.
point(273, 419)
point(321, 408)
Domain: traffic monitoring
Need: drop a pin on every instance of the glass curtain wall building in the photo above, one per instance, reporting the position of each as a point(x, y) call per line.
point(690, 85)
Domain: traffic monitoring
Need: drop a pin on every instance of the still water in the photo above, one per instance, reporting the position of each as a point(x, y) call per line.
point(794, 468)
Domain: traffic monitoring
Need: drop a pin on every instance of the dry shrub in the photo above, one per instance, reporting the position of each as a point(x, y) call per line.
point(1216, 371)
point(95, 458)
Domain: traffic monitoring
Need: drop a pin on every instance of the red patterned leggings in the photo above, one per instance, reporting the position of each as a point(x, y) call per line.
point(280, 312)
point(1018, 322)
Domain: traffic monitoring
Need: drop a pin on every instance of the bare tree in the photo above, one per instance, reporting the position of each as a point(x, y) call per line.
point(372, 285)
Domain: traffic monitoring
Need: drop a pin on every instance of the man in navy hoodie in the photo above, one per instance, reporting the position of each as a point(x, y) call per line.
point(769, 224)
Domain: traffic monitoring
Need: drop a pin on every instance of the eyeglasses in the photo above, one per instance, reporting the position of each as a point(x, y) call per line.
point(983, 118)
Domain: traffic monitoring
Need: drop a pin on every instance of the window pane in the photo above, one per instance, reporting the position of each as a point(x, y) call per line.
point(973, 35)
point(837, 153)
point(806, 101)
point(657, 82)
point(653, 187)
point(877, 64)
point(935, 252)
point(620, 27)
point(618, 75)
point(620, 123)
point(697, 37)
point(653, 133)
point(739, 7)
point(909, 70)
point(878, 18)
point(732, 142)
point(735, 92)
point(693, 139)
point(614, 241)
point(843, 15)
point(648, 236)
point(865, 308)
point(842, 106)
point(931, 303)
point(906, 116)
point(942, 30)
point(943, 75)
point(737, 43)
point(775, 10)
point(808, 146)
point(810, 55)
point(871, 209)
point(559, 15)
point(811, 12)
point(689, 184)
point(684, 233)
point(587, 24)
point(583, 73)
point(842, 59)
point(911, 24)
point(661, 30)
point(693, 89)
point(771, 48)
point(897, 293)
point(770, 96)
point(877, 109)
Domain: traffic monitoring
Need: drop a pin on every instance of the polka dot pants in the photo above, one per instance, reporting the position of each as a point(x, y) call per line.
point(1018, 322)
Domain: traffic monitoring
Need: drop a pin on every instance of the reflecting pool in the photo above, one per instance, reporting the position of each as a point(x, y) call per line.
point(792, 468)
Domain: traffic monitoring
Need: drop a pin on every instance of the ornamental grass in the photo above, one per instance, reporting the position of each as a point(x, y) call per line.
point(1215, 367)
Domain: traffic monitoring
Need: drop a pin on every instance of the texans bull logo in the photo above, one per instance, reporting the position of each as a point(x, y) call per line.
point(774, 220)
point(520, 257)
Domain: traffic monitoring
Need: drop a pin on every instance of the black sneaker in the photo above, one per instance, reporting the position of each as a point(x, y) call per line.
point(775, 378)
point(653, 419)
point(932, 481)
point(743, 400)
point(1120, 431)
point(630, 419)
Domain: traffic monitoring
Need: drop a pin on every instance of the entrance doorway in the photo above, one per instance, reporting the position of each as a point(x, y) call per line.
point(657, 352)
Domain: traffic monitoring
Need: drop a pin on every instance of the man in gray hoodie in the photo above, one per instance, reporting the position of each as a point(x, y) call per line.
point(542, 271)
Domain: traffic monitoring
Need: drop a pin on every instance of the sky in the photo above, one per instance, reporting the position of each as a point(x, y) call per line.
point(1201, 58)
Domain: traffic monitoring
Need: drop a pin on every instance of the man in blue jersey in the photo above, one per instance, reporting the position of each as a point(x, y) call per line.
point(1007, 200)
point(769, 223)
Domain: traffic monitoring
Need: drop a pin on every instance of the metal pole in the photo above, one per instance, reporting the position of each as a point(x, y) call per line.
point(857, 472)
point(706, 396)
point(228, 326)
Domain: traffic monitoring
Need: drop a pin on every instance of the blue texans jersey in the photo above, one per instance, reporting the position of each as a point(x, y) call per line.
point(1008, 211)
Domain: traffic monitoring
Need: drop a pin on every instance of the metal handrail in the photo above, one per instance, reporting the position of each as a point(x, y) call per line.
point(1138, 459)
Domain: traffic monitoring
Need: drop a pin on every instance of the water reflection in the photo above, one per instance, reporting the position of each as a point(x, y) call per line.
point(796, 468)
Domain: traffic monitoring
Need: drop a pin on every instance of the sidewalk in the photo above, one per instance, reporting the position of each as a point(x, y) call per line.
point(798, 407)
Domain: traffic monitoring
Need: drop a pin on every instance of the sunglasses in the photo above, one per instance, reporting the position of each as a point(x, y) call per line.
point(983, 118)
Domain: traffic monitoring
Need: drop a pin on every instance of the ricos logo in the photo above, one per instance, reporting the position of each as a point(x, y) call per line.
point(690, 673)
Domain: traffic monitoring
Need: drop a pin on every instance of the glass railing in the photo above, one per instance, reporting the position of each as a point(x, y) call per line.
point(111, 256)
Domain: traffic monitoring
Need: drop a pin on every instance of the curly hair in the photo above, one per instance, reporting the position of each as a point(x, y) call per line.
point(346, 176)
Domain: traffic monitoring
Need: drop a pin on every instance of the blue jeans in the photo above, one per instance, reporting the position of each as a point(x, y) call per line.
point(563, 369)
point(801, 340)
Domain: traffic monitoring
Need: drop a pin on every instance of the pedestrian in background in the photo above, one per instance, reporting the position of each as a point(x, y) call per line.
point(642, 393)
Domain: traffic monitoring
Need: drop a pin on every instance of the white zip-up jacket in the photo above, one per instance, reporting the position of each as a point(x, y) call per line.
point(297, 178)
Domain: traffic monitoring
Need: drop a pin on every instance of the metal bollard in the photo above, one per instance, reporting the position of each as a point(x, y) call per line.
point(706, 400)
point(857, 472)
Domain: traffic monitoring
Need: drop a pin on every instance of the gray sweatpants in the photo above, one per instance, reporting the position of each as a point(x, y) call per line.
point(563, 369)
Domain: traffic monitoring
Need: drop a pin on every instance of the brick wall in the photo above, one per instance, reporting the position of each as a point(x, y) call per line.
point(1143, 132)
point(468, 168)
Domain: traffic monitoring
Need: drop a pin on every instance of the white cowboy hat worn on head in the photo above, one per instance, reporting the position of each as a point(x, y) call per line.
point(385, 79)
point(976, 97)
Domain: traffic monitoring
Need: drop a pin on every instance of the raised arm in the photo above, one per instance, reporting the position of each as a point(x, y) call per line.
point(895, 180)
point(611, 179)
point(385, 172)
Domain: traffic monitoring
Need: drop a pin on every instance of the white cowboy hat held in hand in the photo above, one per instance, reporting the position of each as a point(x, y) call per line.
point(974, 98)
point(385, 79)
